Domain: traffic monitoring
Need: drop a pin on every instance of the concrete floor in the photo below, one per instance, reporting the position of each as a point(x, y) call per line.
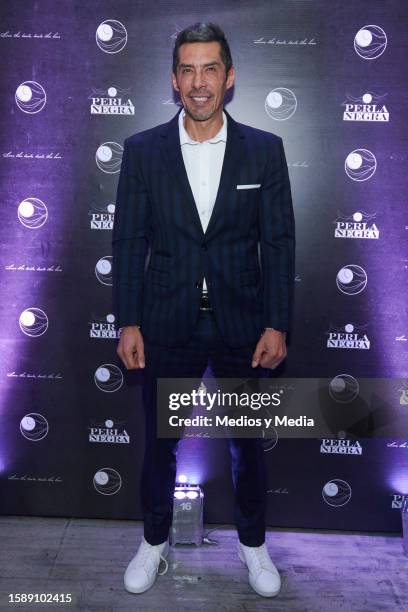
point(320, 570)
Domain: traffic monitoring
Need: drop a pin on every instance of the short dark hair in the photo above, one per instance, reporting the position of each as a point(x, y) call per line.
point(203, 32)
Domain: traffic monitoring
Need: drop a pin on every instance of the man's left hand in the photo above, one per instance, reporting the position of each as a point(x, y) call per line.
point(270, 350)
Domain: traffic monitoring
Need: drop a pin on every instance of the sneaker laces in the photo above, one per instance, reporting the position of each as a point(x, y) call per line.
point(148, 559)
point(261, 557)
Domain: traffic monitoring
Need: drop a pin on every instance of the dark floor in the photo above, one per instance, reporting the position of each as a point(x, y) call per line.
point(321, 570)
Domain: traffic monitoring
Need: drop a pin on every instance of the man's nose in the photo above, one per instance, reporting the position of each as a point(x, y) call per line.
point(198, 80)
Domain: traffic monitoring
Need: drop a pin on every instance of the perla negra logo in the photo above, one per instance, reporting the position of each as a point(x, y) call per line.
point(368, 107)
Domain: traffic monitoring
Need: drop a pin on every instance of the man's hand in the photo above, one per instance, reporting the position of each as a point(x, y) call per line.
point(270, 350)
point(131, 348)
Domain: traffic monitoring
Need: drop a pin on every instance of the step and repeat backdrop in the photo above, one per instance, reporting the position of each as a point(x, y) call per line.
point(77, 79)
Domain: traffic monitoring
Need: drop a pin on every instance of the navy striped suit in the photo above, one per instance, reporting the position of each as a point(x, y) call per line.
point(155, 206)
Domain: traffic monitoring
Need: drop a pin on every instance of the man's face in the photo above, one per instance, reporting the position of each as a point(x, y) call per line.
point(201, 79)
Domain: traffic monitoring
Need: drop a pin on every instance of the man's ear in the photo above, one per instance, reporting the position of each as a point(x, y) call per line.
point(174, 80)
point(230, 77)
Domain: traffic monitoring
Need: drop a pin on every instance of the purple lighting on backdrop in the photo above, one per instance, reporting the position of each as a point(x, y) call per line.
point(398, 480)
point(37, 178)
point(72, 92)
point(385, 292)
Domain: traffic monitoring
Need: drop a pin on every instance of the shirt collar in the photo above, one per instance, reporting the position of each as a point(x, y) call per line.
point(185, 138)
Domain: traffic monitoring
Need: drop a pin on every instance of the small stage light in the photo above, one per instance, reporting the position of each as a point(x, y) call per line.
point(187, 526)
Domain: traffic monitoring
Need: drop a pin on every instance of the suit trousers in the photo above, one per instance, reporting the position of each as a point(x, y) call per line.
point(159, 464)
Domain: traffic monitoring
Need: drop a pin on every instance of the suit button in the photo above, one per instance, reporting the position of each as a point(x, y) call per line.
point(204, 247)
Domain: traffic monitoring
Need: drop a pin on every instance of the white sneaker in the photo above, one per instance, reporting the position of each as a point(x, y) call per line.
point(143, 568)
point(263, 575)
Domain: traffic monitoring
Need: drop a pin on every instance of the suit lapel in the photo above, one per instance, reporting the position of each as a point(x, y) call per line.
point(177, 169)
point(233, 157)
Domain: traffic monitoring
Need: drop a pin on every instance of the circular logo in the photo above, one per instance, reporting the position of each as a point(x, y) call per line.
point(280, 103)
point(370, 42)
point(111, 36)
point(270, 439)
point(357, 217)
point(34, 426)
point(360, 165)
point(103, 270)
point(351, 279)
point(33, 322)
point(30, 97)
point(32, 213)
point(109, 157)
point(108, 378)
point(336, 492)
point(343, 388)
point(107, 481)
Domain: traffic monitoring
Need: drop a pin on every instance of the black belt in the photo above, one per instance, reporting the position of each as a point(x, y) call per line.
point(205, 303)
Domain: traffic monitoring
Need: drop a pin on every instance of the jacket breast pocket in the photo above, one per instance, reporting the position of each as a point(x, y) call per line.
point(247, 197)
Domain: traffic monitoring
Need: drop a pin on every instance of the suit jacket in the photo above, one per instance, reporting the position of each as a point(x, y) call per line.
point(247, 253)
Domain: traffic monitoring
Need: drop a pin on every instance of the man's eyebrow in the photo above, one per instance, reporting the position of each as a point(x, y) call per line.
point(214, 63)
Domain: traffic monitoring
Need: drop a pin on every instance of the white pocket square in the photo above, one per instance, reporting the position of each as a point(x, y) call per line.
point(253, 186)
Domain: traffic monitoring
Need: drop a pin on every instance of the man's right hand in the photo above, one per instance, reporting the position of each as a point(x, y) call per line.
point(131, 348)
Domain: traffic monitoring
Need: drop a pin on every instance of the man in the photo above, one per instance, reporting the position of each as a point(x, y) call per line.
point(212, 199)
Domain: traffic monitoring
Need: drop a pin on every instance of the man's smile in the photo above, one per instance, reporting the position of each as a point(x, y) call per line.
point(200, 100)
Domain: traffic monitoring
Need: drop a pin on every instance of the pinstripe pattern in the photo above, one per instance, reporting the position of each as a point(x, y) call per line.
point(155, 206)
